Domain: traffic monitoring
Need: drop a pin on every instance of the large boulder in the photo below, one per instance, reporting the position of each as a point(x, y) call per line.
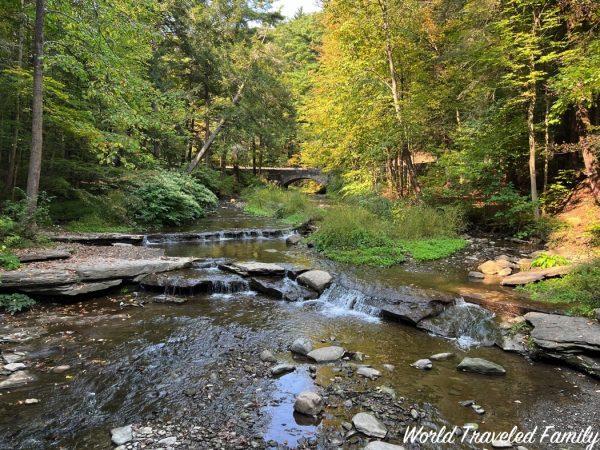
point(368, 372)
point(327, 354)
point(301, 346)
point(480, 365)
point(43, 255)
point(534, 275)
point(281, 369)
point(491, 267)
point(319, 280)
point(367, 424)
point(564, 333)
point(128, 268)
point(309, 403)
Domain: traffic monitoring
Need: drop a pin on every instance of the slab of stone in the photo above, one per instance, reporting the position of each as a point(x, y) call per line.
point(128, 268)
point(327, 354)
point(309, 403)
point(17, 379)
point(44, 255)
point(318, 280)
point(267, 356)
point(13, 367)
point(369, 425)
point(564, 333)
point(97, 238)
point(294, 239)
point(480, 365)
point(490, 267)
point(37, 277)
point(532, 276)
point(72, 290)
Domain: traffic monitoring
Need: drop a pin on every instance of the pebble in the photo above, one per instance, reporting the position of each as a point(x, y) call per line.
point(60, 369)
point(422, 364)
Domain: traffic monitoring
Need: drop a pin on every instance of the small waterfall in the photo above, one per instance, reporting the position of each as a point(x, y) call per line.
point(469, 324)
point(195, 282)
point(340, 300)
point(213, 236)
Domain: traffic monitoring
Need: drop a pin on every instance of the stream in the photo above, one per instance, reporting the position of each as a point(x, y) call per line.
point(193, 370)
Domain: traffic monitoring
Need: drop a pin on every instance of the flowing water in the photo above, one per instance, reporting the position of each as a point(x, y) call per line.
point(132, 364)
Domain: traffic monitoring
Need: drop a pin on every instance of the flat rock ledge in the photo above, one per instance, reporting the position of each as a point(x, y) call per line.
point(89, 276)
point(532, 276)
point(573, 340)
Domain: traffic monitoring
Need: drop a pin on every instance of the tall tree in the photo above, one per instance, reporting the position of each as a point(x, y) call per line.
point(37, 109)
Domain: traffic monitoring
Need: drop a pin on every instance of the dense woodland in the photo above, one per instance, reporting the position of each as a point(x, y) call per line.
point(490, 104)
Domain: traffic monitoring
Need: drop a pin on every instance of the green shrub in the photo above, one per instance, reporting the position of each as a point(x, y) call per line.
point(348, 227)
point(422, 221)
point(578, 289)
point(14, 303)
point(16, 228)
point(291, 206)
point(168, 199)
point(594, 232)
point(546, 261)
point(8, 261)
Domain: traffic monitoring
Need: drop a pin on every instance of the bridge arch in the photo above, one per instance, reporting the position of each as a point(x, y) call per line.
point(284, 176)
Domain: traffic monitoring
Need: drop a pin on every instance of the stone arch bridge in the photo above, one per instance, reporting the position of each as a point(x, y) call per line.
point(284, 176)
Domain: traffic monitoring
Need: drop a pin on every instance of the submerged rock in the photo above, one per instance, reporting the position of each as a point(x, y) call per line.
point(368, 372)
point(367, 424)
point(121, 435)
point(441, 356)
point(294, 239)
point(13, 367)
point(301, 346)
point(17, 379)
point(267, 356)
point(480, 365)
point(319, 280)
point(422, 364)
point(477, 275)
point(282, 289)
point(282, 368)
point(309, 403)
point(327, 354)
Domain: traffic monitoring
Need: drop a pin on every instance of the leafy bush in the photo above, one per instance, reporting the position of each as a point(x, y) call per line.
point(594, 232)
point(347, 227)
point(8, 261)
point(14, 303)
point(291, 206)
point(372, 256)
point(578, 289)
point(546, 261)
point(169, 199)
point(422, 221)
point(15, 221)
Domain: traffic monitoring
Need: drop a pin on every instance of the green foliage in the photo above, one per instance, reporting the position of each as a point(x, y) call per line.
point(579, 289)
point(169, 199)
point(16, 228)
point(8, 261)
point(594, 232)
point(546, 261)
point(293, 207)
point(559, 191)
point(14, 303)
point(423, 221)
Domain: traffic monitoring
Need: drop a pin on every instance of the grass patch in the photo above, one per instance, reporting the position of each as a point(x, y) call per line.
point(434, 248)
point(579, 289)
point(95, 224)
point(292, 207)
point(373, 256)
point(546, 261)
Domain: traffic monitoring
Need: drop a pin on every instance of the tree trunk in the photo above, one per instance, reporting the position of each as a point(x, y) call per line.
point(590, 160)
point(35, 158)
point(532, 154)
point(394, 86)
point(531, 129)
point(253, 156)
point(211, 138)
point(207, 120)
point(546, 141)
point(11, 176)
